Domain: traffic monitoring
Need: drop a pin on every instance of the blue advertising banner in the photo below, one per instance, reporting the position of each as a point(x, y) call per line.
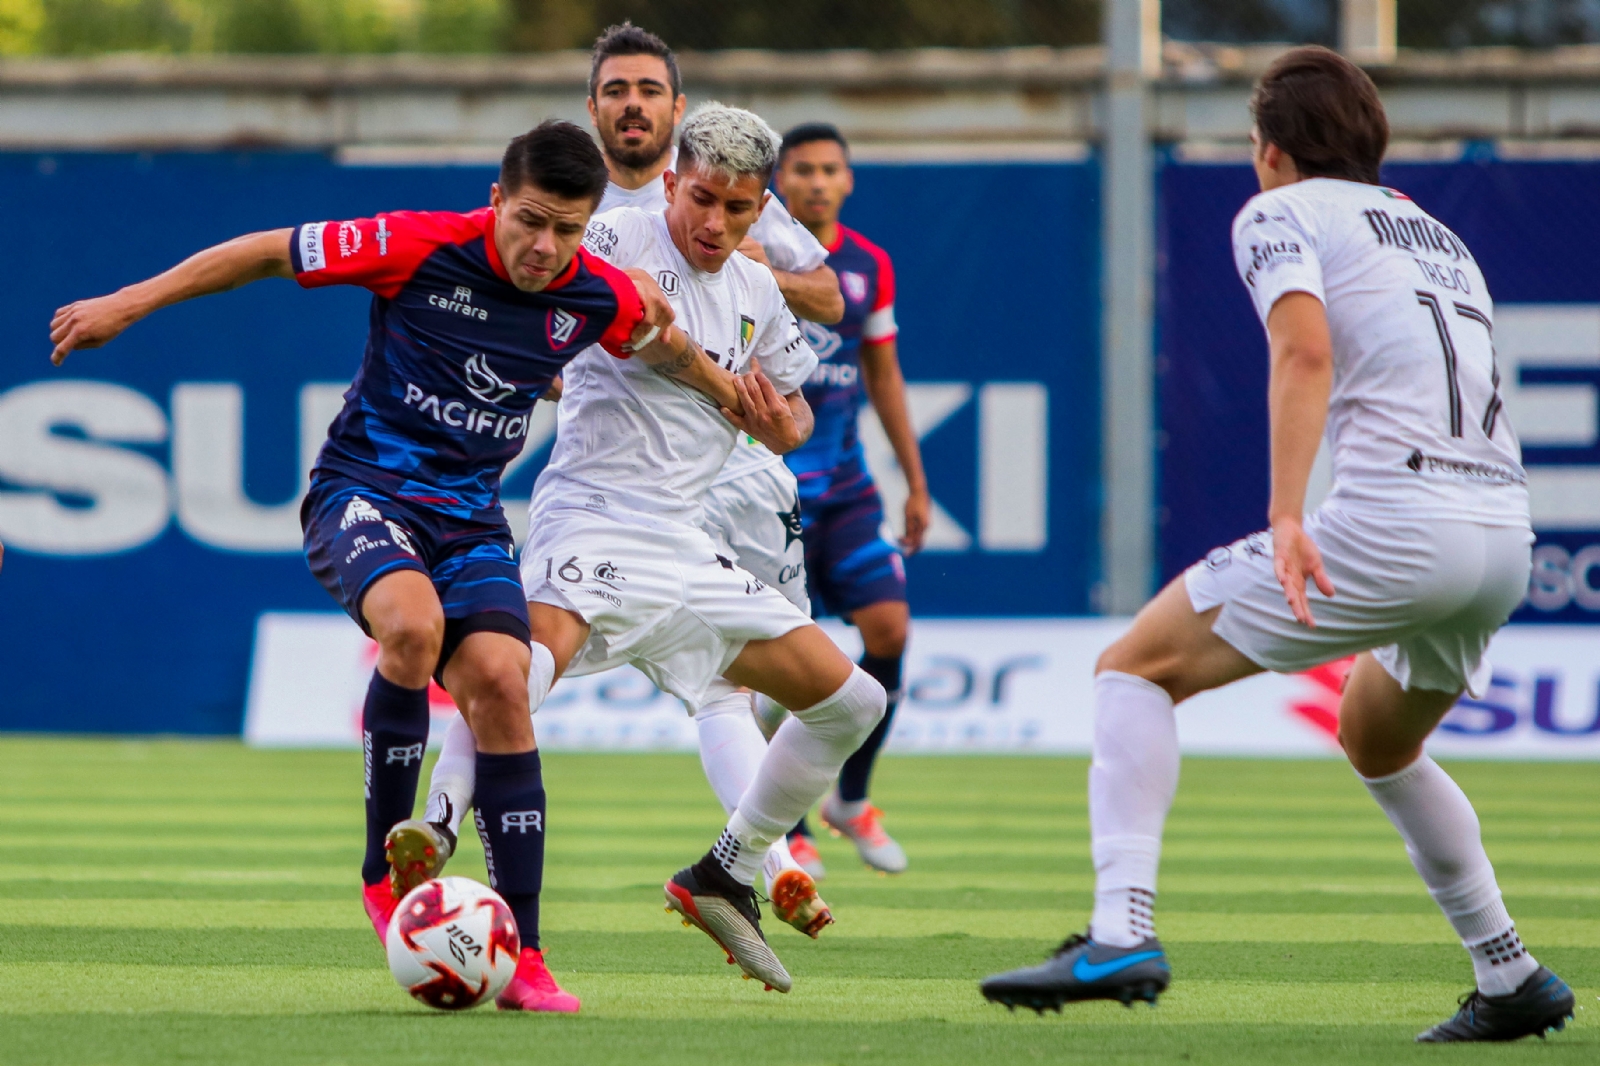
point(148, 491)
point(1526, 223)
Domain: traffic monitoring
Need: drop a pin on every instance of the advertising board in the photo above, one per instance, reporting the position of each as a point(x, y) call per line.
point(971, 685)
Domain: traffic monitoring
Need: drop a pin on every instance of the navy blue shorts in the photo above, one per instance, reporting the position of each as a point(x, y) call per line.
point(355, 534)
point(848, 563)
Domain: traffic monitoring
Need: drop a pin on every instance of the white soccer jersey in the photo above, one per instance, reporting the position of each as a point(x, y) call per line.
point(789, 246)
point(631, 440)
point(1415, 420)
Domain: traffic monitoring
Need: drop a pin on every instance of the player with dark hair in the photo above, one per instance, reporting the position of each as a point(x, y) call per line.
point(1425, 537)
point(472, 315)
point(621, 567)
point(851, 570)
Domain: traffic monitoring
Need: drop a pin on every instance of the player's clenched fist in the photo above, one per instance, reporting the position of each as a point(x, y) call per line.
point(658, 313)
point(90, 323)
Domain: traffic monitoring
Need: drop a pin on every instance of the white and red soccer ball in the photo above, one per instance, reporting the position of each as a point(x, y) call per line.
point(452, 943)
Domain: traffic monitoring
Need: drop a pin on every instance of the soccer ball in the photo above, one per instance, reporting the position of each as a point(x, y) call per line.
point(452, 943)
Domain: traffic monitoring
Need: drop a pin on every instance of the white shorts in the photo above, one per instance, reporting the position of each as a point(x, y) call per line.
point(755, 520)
point(1424, 595)
point(661, 599)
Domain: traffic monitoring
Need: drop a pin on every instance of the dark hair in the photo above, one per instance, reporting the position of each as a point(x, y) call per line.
point(558, 157)
point(809, 132)
point(629, 40)
point(1324, 111)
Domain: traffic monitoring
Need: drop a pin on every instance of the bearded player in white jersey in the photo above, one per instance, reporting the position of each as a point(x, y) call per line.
point(618, 568)
point(1379, 327)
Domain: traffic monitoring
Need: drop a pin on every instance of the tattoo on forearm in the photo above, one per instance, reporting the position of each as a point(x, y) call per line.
point(674, 367)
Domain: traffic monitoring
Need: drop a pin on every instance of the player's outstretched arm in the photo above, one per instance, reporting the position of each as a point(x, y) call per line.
point(886, 389)
point(92, 323)
point(1297, 402)
point(782, 423)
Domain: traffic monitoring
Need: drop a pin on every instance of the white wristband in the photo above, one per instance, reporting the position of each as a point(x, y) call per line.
point(655, 331)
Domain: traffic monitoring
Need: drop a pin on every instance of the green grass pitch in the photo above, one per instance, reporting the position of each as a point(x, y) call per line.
point(171, 902)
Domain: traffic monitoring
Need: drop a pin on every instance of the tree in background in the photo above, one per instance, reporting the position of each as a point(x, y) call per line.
point(84, 27)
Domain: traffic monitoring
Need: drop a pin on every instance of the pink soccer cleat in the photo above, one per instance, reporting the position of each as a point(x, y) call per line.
point(380, 903)
point(534, 988)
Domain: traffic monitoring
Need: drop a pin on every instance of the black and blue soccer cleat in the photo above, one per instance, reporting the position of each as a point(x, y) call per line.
point(1081, 969)
point(1540, 1003)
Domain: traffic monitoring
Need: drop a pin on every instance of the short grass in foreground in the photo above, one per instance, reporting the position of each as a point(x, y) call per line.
point(196, 902)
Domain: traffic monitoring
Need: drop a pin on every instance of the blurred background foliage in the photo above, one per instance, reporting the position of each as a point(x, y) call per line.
point(84, 27)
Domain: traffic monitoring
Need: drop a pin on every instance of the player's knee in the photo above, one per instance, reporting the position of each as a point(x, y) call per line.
point(1124, 657)
point(853, 711)
point(413, 641)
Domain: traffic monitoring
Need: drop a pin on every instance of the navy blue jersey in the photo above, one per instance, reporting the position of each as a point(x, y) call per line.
point(831, 467)
point(456, 354)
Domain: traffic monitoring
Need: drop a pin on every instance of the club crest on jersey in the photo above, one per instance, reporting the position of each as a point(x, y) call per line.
point(854, 286)
point(484, 383)
point(747, 330)
point(562, 325)
point(358, 510)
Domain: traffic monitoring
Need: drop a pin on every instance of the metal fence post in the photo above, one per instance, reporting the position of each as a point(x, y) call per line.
point(1132, 31)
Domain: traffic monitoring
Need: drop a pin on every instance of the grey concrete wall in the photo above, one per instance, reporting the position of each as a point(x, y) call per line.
point(934, 103)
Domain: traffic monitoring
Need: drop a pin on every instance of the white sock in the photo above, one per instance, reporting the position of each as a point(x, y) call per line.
point(455, 775)
point(778, 860)
point(1441, 834)
point(731, 745)
point(1132, 780)
point(800, 764)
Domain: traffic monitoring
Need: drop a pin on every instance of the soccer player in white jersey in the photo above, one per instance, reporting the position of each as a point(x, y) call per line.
point(1379, 327)
point(752, 509)
point(617, 568)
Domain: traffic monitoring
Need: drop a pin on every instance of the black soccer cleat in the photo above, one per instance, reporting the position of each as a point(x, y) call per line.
point(713, 902)
point(1081, 969)
point(1540, 1003)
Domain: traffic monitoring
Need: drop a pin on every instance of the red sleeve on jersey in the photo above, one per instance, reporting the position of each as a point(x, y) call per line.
point(380, 254)
point(885, 273)
point(630, 309)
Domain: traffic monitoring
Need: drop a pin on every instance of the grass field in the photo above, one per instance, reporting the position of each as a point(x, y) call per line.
point(196, 902)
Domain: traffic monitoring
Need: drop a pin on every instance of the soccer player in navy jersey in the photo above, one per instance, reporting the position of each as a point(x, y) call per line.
point(473, 314)
point(852, 571)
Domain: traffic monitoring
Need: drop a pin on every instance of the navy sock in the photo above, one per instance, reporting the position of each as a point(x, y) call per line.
point(856, 774)
point(802, 828)
point(509, 812)
point(394, 734)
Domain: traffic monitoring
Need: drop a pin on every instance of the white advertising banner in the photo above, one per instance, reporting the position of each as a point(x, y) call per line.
point(971, 685)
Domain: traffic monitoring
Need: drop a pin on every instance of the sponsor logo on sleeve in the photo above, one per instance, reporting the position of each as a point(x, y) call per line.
point(747, 330)
point(313, 252)
point(349, 239)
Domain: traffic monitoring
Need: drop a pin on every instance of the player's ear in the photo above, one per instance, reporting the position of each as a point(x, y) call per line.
point(497, 198)
point(766, 195)
point(594, 116)
point(678, 107)
point(669, 184)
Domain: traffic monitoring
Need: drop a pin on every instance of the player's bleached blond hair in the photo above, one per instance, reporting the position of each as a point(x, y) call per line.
point(729, 141)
